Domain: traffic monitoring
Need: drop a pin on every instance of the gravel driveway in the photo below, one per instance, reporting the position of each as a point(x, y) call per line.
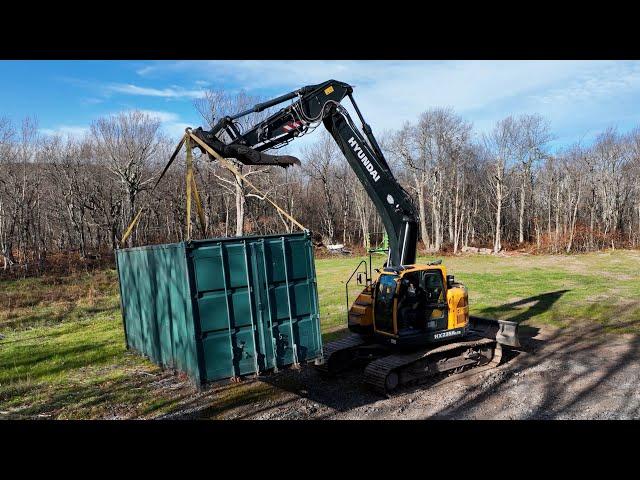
point(579, 373)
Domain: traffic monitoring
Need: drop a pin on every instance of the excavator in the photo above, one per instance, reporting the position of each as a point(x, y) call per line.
point(409, 323)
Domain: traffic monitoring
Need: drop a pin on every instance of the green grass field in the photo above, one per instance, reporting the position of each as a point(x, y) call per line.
point(62, 352)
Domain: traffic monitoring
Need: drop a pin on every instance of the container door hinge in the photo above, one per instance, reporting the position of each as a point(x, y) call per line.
point(296, 362)
point(274, 346)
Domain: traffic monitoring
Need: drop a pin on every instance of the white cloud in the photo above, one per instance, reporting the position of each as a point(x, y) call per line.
point(145, 70)
point(171, 92)
point(72, 131)
point(391, 92)
point(91, 101)
point(258, 74)
point(162, 116)
point(576, 96)
point(170, 122)
point(176, 129)
point(603, 83)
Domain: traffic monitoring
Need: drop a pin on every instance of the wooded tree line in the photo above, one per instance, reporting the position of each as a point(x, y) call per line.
point(502, 189)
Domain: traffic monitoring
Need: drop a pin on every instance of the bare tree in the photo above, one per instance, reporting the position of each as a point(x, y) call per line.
point(128, 142)
point(430, 150)
point(215, 105)
point(531, 135)
point(74, 196)
point(8, 197)
point(501, 143)
point(319, 160)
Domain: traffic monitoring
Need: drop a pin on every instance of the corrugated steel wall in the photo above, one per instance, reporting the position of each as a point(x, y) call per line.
point(222, 307)
point(156, 305)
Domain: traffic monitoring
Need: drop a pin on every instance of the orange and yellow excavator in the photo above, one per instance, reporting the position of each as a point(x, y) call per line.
point(412, 320)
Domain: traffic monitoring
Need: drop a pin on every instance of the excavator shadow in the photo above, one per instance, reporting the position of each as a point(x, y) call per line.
point(345, 391)
point(522, 310)
point(535, 305)
point(341, 392)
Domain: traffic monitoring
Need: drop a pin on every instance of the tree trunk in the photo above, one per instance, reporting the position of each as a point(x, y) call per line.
point(521, 213)
point(424, 233)
point(240, 204)
point(555, 247)
point(436, 226)
point(497, 246)
point(450, 226)
point(226, 216)
point(132, 214)
point(573, 220)
point(497, 243)
point(456, 234)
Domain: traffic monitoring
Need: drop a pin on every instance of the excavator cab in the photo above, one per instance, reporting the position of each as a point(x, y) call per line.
point(412, 305)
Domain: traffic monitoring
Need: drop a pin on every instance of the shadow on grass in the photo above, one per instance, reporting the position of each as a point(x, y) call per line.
point(66, 359)
point(513, 312)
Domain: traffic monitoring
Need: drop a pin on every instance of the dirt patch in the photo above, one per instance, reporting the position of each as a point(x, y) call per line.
point(582, 373)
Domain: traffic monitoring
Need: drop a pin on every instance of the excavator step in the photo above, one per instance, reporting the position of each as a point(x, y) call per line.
point(363, 303)
point(358, 309)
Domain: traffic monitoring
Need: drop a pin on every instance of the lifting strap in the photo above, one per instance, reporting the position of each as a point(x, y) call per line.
point(235, 171)
point(130, 227)
point(135, 220)
point(192, 187)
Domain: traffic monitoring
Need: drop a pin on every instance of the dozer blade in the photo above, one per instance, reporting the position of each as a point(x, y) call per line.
point(508, 334)
point(505, 331)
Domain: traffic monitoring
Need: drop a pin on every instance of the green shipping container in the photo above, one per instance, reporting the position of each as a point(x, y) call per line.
point(223, 307)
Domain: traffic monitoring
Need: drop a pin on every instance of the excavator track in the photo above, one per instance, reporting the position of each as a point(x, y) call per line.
point(386, 374)
point(337, 354)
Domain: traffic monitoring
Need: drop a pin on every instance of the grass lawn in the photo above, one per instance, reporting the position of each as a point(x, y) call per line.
point(62, 352)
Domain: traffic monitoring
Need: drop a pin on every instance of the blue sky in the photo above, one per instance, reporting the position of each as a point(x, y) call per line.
point(580, 98)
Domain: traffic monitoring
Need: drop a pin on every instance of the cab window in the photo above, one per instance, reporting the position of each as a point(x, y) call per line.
point(386, 287)
point(385, 295)
point(433, 286)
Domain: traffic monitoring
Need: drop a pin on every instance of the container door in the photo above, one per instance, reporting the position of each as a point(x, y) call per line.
point(289, 303)
point(261, 288)
point(225, 310)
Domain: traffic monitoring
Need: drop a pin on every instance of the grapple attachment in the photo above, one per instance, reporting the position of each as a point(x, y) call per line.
point(242, 153)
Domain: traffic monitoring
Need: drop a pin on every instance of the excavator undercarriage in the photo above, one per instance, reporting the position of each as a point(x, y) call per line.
point(387, 368)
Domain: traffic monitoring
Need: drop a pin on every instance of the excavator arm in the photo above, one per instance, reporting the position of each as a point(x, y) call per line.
point(310, 106)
